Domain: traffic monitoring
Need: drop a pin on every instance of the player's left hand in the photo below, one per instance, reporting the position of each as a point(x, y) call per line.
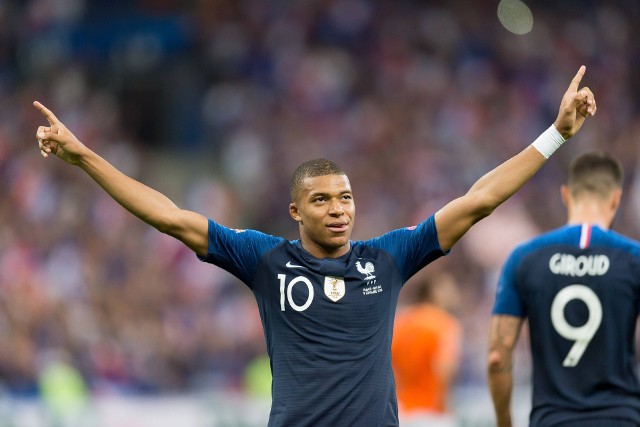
point(575, 106)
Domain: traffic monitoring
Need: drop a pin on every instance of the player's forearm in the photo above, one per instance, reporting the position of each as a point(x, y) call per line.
point(500, 386)
point(459, 215)
point(499, 184)
point(149, 205)
point(502, 339)
point(502, 182)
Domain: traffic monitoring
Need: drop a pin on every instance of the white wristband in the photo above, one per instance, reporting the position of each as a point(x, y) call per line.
point(548, 141)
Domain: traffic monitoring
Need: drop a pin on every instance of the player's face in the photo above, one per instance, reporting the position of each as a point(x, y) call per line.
point(325, 211)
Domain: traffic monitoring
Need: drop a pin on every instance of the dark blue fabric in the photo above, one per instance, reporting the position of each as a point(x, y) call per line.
point(560, 288)
point(328, 322)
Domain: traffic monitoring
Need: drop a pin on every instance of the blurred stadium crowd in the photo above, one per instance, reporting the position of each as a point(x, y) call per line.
point(216, 102)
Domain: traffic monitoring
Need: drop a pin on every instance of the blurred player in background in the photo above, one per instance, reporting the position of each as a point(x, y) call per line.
point(579, 288)
point(327, 303)
point(426, 350)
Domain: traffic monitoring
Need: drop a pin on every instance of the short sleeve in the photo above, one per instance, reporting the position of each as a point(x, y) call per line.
point(508, 299)
point(238, 251)
point(411, 247)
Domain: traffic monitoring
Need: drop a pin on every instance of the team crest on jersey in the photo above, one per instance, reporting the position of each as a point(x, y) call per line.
point(367, 270)
point(334, 287)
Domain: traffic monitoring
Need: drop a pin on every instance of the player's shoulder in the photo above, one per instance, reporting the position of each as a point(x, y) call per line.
point(425, 229)
point(575, 235)
point(562, 235)
point(366, 248)
point(216, 227)
point(242, 239)
point(617, 240)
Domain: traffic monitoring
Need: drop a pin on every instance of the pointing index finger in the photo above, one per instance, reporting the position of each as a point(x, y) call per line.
point(53, 120)
point(573, 87)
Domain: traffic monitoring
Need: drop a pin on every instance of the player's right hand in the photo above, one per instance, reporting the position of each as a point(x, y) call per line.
point(577, 103)
point(57, 139)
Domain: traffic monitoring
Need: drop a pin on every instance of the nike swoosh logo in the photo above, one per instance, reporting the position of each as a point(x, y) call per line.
point(288, 264)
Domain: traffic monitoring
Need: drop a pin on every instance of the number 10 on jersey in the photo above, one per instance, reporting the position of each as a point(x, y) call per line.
point(289, 289)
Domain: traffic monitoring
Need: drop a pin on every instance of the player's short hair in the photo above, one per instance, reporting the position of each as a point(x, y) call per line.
point(311, 169)
point(596, 173)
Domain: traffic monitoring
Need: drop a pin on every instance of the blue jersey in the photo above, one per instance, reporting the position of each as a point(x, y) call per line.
point(328, 322)
point(579, 287)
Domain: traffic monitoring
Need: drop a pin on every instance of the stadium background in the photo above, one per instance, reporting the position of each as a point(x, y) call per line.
point(214, 103)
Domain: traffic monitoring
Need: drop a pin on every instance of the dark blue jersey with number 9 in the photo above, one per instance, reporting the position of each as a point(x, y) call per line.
point(579, 288)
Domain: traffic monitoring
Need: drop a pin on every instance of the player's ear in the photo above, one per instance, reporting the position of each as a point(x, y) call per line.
point(616, 197)
point(294, 212)
point(564, 194)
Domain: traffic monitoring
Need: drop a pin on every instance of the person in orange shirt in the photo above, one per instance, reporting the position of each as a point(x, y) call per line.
point(426, 351)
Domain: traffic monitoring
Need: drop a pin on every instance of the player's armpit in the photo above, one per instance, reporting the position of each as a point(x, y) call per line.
point(190, 228)
point(454, 220)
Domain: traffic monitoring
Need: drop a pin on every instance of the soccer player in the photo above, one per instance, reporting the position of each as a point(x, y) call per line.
point(579, 288)
point(327, 303)
point(426, 352)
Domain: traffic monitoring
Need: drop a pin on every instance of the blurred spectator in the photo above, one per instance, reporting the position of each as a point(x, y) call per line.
point(64, 392)
point(426, 348)
point(257, 378)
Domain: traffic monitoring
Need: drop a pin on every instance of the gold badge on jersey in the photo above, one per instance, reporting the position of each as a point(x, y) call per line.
point(334, 287)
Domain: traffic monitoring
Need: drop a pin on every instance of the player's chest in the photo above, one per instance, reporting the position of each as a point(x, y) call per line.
point(361, 284)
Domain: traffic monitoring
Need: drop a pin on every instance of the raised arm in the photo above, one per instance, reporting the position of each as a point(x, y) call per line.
point(491, 190)
point(144, 202)
point(502, 340)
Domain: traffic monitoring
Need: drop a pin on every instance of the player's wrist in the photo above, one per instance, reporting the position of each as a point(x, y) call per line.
point(85, 158)
point(548, 141)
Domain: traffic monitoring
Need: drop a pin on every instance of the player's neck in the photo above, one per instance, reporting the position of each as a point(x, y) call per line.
point(591, 213)
point(593, 209)
point(320, 252)
point(602, 224)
